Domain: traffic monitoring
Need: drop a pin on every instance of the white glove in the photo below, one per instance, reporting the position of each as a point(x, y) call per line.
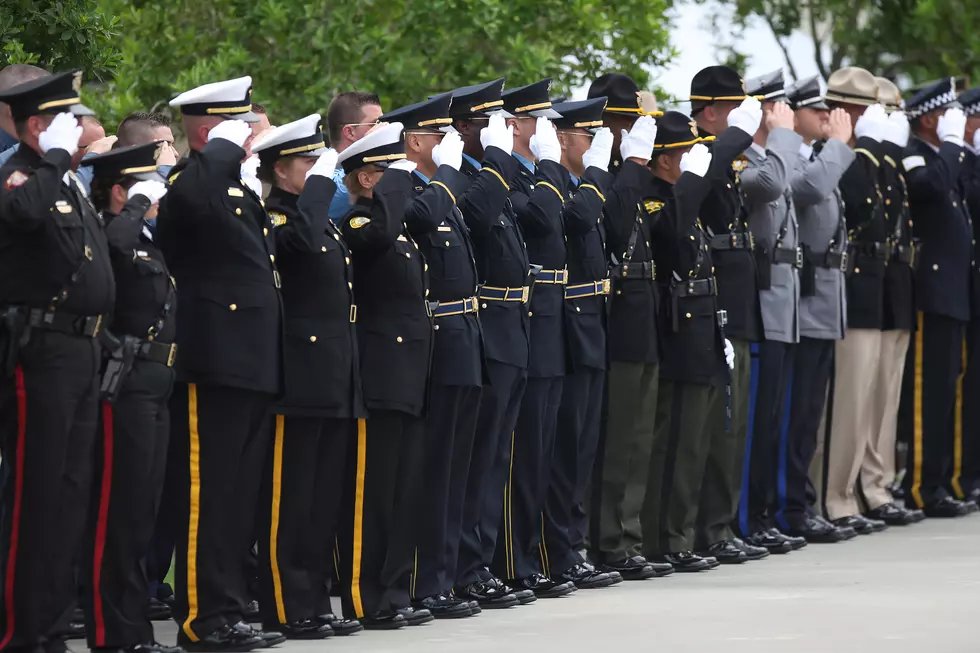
point(544, 144)
point(236, 131)
point(898, 129)
point(152, 190)
point(730, 350)
point(250, 166)
point(976, 141)
point(873, 123)
point(62, 134)
point(600, 152)
point(697, 160)
point(449, 152)
point(747, 116)
point(638, 143)
point(403, 164)
point(325, 165)
point(498, 134)
point(952, 126)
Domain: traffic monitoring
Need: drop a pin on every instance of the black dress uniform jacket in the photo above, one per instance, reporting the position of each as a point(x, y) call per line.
point(394, 329)
point(438, 228)
point(942, 225)
point(585, 317)
point(899, 299)
point(322, 374)
point(867, 233)
point(219, 244)
point(735, 268)
point(970, 177)
point(46, 228)
point(501, 258)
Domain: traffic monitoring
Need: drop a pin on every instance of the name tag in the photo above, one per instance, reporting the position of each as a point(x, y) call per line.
point(445, 228)
point(402, 239)
point(236, 192)
point(913, 162)
point(62, 206)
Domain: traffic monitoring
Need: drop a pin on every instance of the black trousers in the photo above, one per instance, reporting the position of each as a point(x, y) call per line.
point(970, 411)
point(576, 440)
point(807, 388)
point(130, 469)
point(48, 422)
point(223, 435)
point(775, 365)
point(489, 471)
point(934, 363)
point(377, 533)
point(298, 513)
point(449, 430)
point(521, 553)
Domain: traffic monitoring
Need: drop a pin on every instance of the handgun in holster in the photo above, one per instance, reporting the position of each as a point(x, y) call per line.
point(118, 365)
point(14, 333)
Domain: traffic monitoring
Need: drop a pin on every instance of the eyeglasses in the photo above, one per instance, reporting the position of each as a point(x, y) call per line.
point(570, 132)
point(422, 132)
point(362, 124)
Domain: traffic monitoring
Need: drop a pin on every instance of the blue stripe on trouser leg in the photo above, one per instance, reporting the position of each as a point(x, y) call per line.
point(783, 452)
point(743, 503)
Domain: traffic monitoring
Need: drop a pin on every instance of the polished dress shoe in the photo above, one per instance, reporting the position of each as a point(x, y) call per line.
point(151, 647)
point(73, 630)
point(615, 576)
point(860, 525)
point(726, 553)
point(685, 561)
point(303, 629)
point(444, 607)
point(341, 627)
point(585, 576)
point(475, 608)
point(416, 617)
point(891, 514)
point(269, 638)
point(769, 542)
point(251, 613)
point(817, 531)
point(226, 638)
point(635, 568)
point(384, 620)
point(165, 593)
point(945, 508)
point(545, 588)
point(157, 610)
point(487, 595)
point(795, 543)
point(524, 596)
point(751, 552)
point(712, 562)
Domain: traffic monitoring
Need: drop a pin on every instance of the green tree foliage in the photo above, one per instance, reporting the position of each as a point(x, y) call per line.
point(301, 52)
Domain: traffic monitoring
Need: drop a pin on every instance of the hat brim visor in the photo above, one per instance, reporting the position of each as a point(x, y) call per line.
point(149, 176)
point(545, 113)
point(248, 116)
point(80, 110)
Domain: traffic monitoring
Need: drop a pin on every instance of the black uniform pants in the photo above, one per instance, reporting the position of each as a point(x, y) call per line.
point(48, 421)
point(377, 533)
point(489, 470)
point(449, 430)
point(933, 364)
point(223, 435)
point(970, 404)
point(130, 468)
point(807, 388)
point(775, 365)
point(521, 553)
point(298, 512)
point(576, 439)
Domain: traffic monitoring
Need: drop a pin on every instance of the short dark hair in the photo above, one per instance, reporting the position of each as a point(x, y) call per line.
point(19, 73)
point(345, 109)
point(136, 127)
point(259, 108)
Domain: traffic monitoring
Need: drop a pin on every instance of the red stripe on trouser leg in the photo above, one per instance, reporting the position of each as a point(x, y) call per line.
point(100, 527)
point(8, 590)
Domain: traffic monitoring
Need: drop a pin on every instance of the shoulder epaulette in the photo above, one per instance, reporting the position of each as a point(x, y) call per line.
point(874, 160)
point(172, 178)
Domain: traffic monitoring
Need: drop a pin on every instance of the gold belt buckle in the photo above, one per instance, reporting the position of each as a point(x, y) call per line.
point(525, 291)
point(172, 355)
point(606, 286)
point(353, 313)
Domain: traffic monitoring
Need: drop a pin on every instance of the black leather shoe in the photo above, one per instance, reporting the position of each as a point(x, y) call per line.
point(225, 639)
point(269, 638)
point(817, 531)
point(157, 610)
point(384, 620)
point(166, 594)
point(891, 514)
point(543, 587)
point(617, 577)
point(945, 508)
point(685, 561)
point(475, 608)
point(917, 515)
point(712, 562)
point(73, 630)
point(635, 568)
point(751, 552)
point(444, 607)
point(585, 576)
point(305, 629)
point(151, 647)
point(524, 596)
point(726, 553)
point(861, 526)
point(769, 542)
point(877, 525)
point(487, 595)
point(251, 613)
point(416, 617)
point(341, 627)
point(795, 543)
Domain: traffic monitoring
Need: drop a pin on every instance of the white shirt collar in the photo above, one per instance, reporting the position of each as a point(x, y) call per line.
point(758, 149)
point(806, 150)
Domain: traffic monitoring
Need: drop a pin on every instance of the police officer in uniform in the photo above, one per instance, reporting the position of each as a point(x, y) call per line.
point(218, 243)
point(135, 420)
point(625, 102)
point(56, 286)
point(315, 419)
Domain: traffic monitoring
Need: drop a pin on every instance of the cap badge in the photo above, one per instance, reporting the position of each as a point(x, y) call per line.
point(694, 128)
point(76, 82)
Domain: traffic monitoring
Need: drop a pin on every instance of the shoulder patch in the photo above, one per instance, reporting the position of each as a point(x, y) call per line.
point(172, 178)
point(16, 178)
point(358, 222)
point(740, 163)
point(278, 219)
point(652, 206)
point(913, 162)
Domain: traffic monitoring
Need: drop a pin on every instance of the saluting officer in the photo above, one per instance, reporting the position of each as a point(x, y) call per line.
point(56, 286)
point(586, 147)
point(315, 419)
point(457, 371)
point(625, 102)
point(380, 525)
point(218, 242)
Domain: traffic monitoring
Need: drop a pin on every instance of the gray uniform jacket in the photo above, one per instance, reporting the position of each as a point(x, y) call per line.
point(765, 185)
point(823, 315)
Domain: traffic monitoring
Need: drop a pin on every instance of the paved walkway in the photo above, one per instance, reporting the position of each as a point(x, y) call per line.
point(913, 589)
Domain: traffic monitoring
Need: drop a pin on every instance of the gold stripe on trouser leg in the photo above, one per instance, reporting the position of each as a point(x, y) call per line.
point(336, 557)
point(355, 578)
point(509, 515)
point(917, 418)
point(543, 549)
point(415, 571)
point(195, 512)
point(958, 427)
point(276, 503)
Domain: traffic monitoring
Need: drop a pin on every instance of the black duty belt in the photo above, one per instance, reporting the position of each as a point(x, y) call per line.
point(905, 254)
point(793, 257)
point(491, 293)
point(156, 352)
point(876, 250)
point(86, 326)
point(732, 241)
point(829, 260)
point(695, 288)
point(588, 289)
point(552, 276)
point(445, 309)
point(645, 270)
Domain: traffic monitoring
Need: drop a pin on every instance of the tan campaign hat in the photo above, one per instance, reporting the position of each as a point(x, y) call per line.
point(888, 95)
point(852, 85)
